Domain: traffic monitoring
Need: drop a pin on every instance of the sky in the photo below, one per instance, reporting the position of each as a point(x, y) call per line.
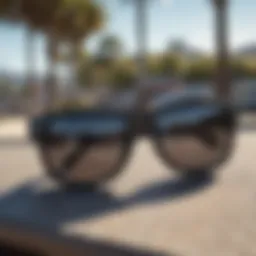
point(188, 20)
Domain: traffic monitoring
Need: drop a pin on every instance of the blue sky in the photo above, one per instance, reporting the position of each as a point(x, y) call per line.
point(189, 20)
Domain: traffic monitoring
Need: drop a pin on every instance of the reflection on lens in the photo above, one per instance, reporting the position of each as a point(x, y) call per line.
point(196, 141)
point(93, 126)
point(92, 163)
point(83, 148)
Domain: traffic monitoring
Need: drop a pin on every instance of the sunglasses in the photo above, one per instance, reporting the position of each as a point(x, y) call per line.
point(193, 136)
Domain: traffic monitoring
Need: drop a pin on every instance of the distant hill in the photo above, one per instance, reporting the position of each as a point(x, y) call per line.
point(247, 51)
point(185, 49)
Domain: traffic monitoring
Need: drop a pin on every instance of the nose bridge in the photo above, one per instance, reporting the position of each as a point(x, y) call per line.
point(143, 123)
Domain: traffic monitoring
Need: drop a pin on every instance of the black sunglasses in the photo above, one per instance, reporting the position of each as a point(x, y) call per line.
point(192, 135)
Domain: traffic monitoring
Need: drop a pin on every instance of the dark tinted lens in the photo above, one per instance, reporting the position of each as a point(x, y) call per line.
point(195, 137)
point(83, 148)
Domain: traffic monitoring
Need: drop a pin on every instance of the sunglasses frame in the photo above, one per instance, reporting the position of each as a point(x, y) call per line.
point(140, 123)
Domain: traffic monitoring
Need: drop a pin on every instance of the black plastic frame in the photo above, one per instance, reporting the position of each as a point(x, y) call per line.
point(140, 123)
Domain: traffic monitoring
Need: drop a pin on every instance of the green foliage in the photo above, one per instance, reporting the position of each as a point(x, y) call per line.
point(171, 65)
point(244, 68)
point(5, 90)
point(123, 73)
point(73, 105)
point(238, 69)
point(105, 72)
point(5, 6)
point(6, 86)
point(200, 70)
point(70, 105)
point(123, 77)
point(72, 21)
point(39, 14)
point(86, 75)
point(110, 48)
point(76, 19)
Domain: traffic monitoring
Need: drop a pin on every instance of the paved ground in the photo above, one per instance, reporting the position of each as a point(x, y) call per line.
point(145, 206)
point(13, 128)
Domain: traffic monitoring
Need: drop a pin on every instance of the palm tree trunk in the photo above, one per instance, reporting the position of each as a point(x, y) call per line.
point(30, 86)
point(141, 35)
point(51, 82)
point(223, 70)
point(77, 46)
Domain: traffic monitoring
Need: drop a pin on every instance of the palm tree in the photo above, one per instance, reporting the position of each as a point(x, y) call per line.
point(141, 35)
point(10, 11)
point(4, 6)
point(36, 16)
point(141, 24)
point(39, 16)
point(61, 20)
point(75, 22)
point(110, 48)
point(223, 72)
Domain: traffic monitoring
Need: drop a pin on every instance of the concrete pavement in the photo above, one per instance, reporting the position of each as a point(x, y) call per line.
point(13, 128)
point(144, 206)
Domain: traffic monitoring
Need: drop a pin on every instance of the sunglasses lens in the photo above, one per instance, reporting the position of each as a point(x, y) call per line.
point(195, 137)
point(82, 148)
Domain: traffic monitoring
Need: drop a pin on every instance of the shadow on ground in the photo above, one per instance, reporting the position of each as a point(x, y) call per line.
point(51, 209)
